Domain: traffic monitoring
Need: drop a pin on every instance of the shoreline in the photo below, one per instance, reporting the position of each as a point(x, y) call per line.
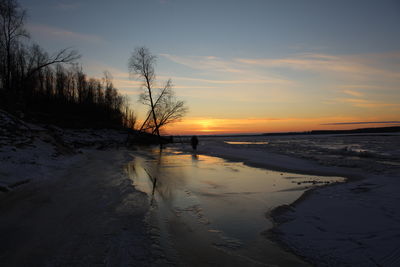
point(102, 219)
point(284, 217)
point(246, 254)
point(303, 166)
point(273, 234)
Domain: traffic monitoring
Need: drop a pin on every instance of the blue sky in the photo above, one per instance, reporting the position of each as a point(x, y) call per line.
point(304, 62)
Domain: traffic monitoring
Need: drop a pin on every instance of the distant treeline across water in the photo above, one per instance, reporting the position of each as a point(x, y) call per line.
point(391, 129)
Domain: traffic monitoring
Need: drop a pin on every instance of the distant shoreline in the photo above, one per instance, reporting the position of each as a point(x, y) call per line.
point(370, 130)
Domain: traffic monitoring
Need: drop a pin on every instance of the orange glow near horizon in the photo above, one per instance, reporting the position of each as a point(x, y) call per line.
point(210, 126)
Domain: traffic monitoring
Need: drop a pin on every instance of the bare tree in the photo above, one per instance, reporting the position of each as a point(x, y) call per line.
point(164, 107)
point(141, 64)
point(129, 120)
point(12, 18)
point(167, 108)
point(43, 60)
point(18, 61)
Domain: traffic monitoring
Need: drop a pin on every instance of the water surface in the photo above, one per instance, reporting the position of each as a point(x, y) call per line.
point(211, 211)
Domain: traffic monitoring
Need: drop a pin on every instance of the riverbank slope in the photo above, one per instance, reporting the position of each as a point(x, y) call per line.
point(66, 200)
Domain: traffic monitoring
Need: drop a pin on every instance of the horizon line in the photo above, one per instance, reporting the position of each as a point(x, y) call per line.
point(289, 132)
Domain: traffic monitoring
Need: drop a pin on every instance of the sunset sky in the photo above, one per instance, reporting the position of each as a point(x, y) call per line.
point(243, 66)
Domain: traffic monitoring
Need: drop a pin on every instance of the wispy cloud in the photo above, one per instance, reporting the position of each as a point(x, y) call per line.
point(362, 69)
point(123, 83)
point(204, 63)
point(328, 64)
point(365, 103)
point(211, 65)
point(353, 93)
point(123, 80)
point(359, 87)
point(233, 81)
point(62, 34)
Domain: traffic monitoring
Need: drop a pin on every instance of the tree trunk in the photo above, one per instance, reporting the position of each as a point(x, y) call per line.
point(152, 107)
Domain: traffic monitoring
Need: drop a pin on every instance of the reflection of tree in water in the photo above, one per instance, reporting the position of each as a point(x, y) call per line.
point(168, 177)
point(163, 172)
point(131, 168)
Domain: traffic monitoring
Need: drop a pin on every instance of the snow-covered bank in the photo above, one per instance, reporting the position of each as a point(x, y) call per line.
point(66, 200)
point(355, 223)
point(33, 152)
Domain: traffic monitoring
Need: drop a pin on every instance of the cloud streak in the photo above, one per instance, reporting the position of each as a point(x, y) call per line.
point(234, 81)
point(364, 103)
point(62, 34)
point(361, 66)
point(204, 63)
point(230, 69)
point(353, 93)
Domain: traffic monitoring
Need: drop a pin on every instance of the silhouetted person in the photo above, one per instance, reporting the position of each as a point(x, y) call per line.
point(194, 141)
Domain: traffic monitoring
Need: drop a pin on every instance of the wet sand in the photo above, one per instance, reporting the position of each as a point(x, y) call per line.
point(212, 212)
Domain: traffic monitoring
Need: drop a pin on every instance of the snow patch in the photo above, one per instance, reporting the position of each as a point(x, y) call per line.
point(352, 224)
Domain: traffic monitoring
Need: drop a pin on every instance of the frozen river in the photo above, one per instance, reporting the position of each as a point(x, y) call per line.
point(371, 152)
point(210, 211)
point(354, 223)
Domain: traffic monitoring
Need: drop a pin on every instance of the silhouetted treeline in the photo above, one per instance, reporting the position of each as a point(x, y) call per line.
point(68, 97)
point(42, 87)
point(390, 129)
